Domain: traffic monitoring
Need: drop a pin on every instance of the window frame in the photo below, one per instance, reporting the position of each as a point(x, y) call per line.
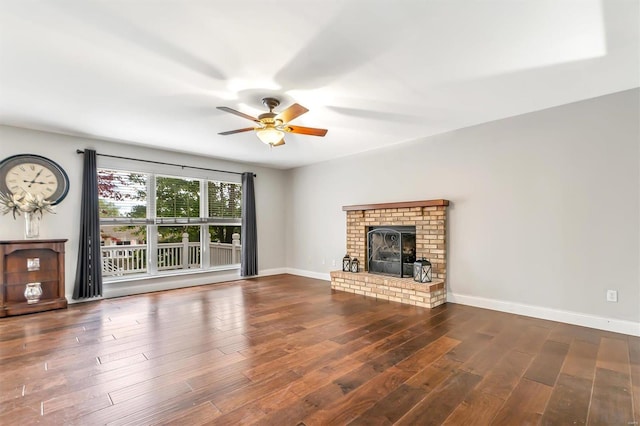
point(152, 222)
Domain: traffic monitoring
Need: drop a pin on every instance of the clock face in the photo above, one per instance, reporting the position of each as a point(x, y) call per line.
point(34, 174)
point(33, 178)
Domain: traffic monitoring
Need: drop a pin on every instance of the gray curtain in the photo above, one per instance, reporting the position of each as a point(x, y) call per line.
point(89, 272)
point(249, 234)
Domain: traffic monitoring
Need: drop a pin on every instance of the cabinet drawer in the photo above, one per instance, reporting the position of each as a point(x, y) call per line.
point(18, 260)
point(15, 293)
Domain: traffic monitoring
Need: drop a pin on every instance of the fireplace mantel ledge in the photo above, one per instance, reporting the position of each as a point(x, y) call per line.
point(400, 205)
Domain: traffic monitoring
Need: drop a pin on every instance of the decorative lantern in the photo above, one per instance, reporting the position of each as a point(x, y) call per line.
point(354, 265)
point(346, 263)
point(422, 271)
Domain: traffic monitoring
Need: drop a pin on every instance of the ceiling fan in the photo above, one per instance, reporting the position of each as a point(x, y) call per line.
point(271, 126)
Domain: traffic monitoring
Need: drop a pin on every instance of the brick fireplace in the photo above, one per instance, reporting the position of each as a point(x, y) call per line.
point(430, 221)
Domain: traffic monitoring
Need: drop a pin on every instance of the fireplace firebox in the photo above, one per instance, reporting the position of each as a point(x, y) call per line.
point(391, 250)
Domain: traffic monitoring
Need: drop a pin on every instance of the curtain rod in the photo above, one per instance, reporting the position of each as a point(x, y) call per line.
point(79, 151)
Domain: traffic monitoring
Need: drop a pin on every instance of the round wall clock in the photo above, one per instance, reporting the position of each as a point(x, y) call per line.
point(34, 174)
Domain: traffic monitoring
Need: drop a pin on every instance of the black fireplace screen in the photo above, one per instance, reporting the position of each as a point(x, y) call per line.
point(392, 250)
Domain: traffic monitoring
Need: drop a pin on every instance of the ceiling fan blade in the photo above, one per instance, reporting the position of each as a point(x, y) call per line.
point(294, 111)
point(241, 114)
point(231, 132)
point(280, 142)
point(306, 130)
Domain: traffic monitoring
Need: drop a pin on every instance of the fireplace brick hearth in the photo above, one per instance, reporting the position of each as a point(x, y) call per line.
point(402, 290)
point(430, 220)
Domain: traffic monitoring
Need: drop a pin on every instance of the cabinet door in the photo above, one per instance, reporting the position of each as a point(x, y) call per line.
point(29, 266)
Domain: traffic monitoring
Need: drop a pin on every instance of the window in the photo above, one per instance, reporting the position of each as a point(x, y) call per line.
point(151, 224)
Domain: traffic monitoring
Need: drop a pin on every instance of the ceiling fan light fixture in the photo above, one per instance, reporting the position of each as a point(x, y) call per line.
point(270, 127)
point(270, 135)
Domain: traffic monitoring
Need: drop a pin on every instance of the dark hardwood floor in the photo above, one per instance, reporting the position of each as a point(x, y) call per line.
point(286, 350)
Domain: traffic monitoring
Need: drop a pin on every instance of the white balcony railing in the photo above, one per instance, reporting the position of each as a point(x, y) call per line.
point(126, 260)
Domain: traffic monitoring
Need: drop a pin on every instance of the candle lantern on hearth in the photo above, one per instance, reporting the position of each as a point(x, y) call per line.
point(422, 271)
point(346, 263)
point(355, 265)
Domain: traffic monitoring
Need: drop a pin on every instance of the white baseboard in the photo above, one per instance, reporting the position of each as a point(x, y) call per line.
point(274, 271)
point(160, 283)
point(309, 274)
point(575, 318)
point(127, 288)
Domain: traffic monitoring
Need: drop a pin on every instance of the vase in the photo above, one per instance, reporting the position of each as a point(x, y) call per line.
point(31, 225)
point(32, 293)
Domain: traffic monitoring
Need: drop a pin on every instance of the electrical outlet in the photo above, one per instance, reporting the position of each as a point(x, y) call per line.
point(333, 262)
point(612, 296)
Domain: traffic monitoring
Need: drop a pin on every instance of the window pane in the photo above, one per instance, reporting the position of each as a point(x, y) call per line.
point(122, 194)
point(224, 199)
point(177, 197)
point(223, 234)
point(124, 250)
point(176, 253)
point(224, 248)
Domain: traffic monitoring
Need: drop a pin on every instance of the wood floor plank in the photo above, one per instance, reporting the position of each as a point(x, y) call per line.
point(634, 359)
point(403, 351)
point(439, 404)
point(478, 408)
point(366, 329)
point(484, 359)
point(283, 350)
point(199, 415)
point(563, 333)
point(504, 377)
point(148, 386)
point(229, 380)
point(581, 359)
point(133, 406)
point(347, 408)
point(613, 354)
point(427, 355)
point(496, 325)
point(611, 401)
point(245, 415)
point(391, 407)
point(272, 402)
point(98, 385)
point(396, 403)
point(532, 337)
point(546, 365)
point(470, 347)
point(290, 360)
point(309, 404)
point(525, 405)
point(569, 401)
point(383, 344)
point(323, 375)
point(151, 412)
point(232, 400)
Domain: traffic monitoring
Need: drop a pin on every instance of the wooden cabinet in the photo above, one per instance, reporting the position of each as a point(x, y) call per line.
point(31, 261)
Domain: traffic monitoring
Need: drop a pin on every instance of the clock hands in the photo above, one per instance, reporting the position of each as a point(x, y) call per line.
point(34, 179)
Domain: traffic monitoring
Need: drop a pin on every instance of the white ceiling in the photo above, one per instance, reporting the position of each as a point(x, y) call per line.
point(373, 72)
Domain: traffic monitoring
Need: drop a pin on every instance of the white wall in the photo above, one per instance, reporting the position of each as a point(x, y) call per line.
point(544, 213)
point(270, 187)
